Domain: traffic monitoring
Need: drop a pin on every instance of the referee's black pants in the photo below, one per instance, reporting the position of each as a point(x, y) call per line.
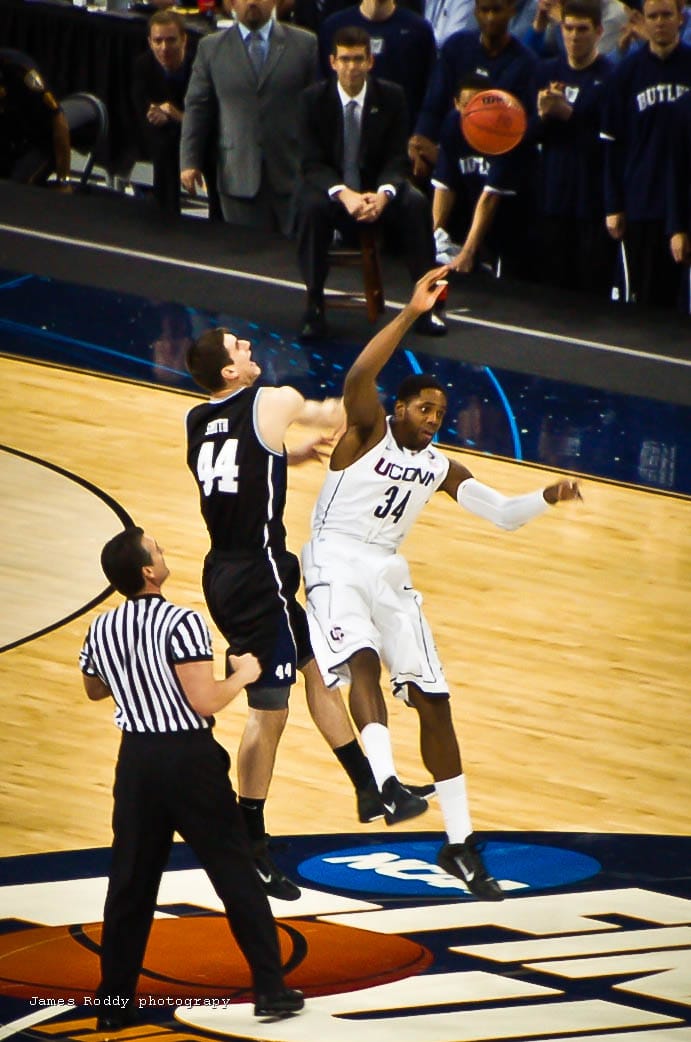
point(179, 782)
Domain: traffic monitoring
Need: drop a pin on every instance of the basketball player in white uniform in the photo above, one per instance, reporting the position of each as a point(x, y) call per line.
point(362, 607)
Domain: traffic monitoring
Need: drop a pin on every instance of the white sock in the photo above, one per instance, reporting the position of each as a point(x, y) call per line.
point(453, 802)
point(377, 742)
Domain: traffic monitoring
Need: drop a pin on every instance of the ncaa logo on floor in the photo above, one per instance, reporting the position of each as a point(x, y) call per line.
point(592, 942)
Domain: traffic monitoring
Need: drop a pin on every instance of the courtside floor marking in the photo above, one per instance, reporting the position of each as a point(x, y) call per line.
point(46, 1013)
point(271, 280)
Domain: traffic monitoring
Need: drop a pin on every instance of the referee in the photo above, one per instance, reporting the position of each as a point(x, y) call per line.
point(155, 660)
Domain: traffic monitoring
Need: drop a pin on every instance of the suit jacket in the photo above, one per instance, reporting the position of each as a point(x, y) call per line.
point(257, 119)
point(151, 86)
point(383, 135)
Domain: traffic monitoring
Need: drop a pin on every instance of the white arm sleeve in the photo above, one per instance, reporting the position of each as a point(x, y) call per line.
point(507, 512)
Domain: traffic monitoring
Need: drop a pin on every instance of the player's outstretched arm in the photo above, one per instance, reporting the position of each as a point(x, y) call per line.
point(279, 407)
point(360, 389)
point(507, 512)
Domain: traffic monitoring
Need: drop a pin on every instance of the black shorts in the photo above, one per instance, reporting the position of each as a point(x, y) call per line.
point(253, 602)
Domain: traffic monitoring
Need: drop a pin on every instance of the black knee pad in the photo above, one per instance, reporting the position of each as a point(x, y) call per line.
point(260, 697)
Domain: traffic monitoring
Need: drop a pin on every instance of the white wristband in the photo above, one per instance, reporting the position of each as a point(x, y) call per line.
point(507, 512)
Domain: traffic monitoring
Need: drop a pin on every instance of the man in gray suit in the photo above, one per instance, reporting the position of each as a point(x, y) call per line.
point(244, 87)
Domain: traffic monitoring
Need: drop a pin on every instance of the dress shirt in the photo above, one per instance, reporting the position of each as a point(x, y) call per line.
point(360, 99)
point(264, 32)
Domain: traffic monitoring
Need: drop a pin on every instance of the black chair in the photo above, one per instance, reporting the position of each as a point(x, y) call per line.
point(87, 118)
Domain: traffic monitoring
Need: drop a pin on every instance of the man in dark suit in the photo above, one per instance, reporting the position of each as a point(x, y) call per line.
point(354, 171)
point(159, 80)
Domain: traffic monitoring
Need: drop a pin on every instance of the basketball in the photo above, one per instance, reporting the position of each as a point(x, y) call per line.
point(493, 122)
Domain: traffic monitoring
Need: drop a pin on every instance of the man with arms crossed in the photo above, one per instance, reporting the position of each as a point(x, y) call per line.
point(362, 607)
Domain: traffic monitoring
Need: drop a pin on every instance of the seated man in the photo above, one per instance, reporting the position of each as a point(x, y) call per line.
point(159, 81)
point(354, 171)
point(402, 45)
point(34, 136)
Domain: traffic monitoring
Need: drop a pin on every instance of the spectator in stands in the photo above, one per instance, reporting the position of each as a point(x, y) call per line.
point(34, 135)
point(678, 195)
point(312, 13)
point(486, 203)
point(637, 127)
point(634, 35)
point(159, 81)
point(449, 16)
point(577, 251)
point(493, 53)
point(545, 38)
point(354, 170)
point(402, 45)
point(251, 75)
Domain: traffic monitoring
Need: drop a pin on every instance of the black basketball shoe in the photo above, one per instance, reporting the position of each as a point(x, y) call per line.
point(280, 1005)
point(369, 802)
point(464, 861)
point(399, 802)
point(275, 882)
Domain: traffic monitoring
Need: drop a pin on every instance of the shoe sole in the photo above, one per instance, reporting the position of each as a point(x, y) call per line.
point(488, 894)
point(372, 817)
point(425, 792)
point(289, 895)
point(410, 811)
point(273, 1015)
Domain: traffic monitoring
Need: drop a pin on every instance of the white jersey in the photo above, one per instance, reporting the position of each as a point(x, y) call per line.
point(377, 499)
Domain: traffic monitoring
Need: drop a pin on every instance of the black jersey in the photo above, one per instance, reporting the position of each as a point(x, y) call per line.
point(242, 483)
point(637, 126)
point(573, 153)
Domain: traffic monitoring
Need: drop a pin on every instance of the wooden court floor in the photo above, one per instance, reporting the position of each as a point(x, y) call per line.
point(566, 643)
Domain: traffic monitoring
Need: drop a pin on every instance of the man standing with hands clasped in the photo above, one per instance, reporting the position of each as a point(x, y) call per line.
point(361, 604)
point(155, 660)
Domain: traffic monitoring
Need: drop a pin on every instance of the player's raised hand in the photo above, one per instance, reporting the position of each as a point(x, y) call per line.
point(428, 289)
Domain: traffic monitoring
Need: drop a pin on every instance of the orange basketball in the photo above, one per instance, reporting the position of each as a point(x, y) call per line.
point(493, 122)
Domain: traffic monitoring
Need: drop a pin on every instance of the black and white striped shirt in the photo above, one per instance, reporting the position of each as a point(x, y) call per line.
point(134, 649)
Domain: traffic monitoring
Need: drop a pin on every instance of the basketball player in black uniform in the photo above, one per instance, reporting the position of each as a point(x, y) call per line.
point(235, 451)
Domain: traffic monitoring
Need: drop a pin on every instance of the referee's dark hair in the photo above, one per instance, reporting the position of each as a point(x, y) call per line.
point(412, 385)
point(206, 357)
point(122, 560)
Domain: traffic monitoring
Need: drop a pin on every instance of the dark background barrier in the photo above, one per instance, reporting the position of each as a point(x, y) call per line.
point(78, 49)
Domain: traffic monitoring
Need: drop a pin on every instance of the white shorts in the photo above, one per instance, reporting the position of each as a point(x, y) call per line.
point(360, 596)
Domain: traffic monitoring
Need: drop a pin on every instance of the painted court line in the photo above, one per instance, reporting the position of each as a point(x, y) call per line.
point(45, 1013)
point(271, 280)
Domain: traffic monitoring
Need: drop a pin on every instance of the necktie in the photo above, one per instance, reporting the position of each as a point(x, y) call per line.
point(255, 49)
point(351, 147)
